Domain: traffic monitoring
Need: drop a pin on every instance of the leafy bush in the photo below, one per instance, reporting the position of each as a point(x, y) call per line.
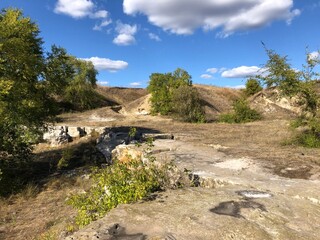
point(252, 87)
point(310, 136)
point(187, 104)
point(242, 113)
point(308, 139)
point(116, 184)
point(161, 87)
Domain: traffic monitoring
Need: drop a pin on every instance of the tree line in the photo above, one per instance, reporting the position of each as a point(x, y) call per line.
point(34, 84)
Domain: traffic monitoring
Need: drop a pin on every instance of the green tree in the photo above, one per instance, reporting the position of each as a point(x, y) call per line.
point(71, 79)
point(59, 70)
point(187, 104)
point(162, 86)
point(252, 87)
point(80, 91)
point(279, 73)
point(24, 104)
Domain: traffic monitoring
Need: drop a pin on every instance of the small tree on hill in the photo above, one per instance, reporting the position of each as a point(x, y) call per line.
point(252, 87)
point(279, 73)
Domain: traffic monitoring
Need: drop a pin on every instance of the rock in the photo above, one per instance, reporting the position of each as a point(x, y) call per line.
point(126, 153)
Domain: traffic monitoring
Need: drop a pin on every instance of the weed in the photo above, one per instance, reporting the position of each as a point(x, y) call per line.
point(64, 161)
point(31, 190)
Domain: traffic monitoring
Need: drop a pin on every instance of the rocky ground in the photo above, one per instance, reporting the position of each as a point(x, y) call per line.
point(240, 198)
point(255, 184)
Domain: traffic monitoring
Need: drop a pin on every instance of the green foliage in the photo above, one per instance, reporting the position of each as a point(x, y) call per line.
point(70, 78)
point(279, 73)
point(310, 135)
point(24, 103)
point(242, 113)
point(187, 104)
point(132, 132)
point(252, 87)
point(80, 90)
point(119, 183)
point(162, 86)
point(59, 70)
point(308, 139)
point(65, 159)
point(28, 82)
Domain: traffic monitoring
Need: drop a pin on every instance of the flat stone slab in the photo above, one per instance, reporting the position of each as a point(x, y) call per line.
point(242, 200)
point(199, 213)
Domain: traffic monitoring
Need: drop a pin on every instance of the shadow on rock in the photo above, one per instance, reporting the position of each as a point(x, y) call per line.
point(118, 232)
point(233, 209)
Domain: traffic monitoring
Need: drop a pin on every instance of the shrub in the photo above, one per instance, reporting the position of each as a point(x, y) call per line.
point(252, 87)
point(187, 104)
point(161, 87)
point(242, 113)
point(116, 184)
point(310, 137)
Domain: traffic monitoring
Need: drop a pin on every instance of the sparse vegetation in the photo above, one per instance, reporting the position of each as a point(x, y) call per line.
point(119, 183)
point(242, 113)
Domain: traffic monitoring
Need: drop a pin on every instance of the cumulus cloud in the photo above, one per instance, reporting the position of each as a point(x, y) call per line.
point(126, 34)
point(242, 72)
point(184, 16)
point(206, 76)
point(79, 9)
point(154, 37)
point(212, 70)
point(107, 64)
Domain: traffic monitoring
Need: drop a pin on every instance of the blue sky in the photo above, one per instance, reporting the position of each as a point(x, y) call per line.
point(217, 41)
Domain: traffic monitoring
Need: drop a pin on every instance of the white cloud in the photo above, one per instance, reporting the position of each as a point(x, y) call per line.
point(81, 9)
point(104, 23)
point(154, 37)
point(314, 55)
point(99, 14)
point(184, 16)
point(212, 70)
point(242, 72)
point(206, 76)
point(126, 34)
point(135, 84)
point(74, 8)
point(107, 64)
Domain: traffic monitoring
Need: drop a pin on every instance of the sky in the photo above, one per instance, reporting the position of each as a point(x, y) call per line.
point(218, 42)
